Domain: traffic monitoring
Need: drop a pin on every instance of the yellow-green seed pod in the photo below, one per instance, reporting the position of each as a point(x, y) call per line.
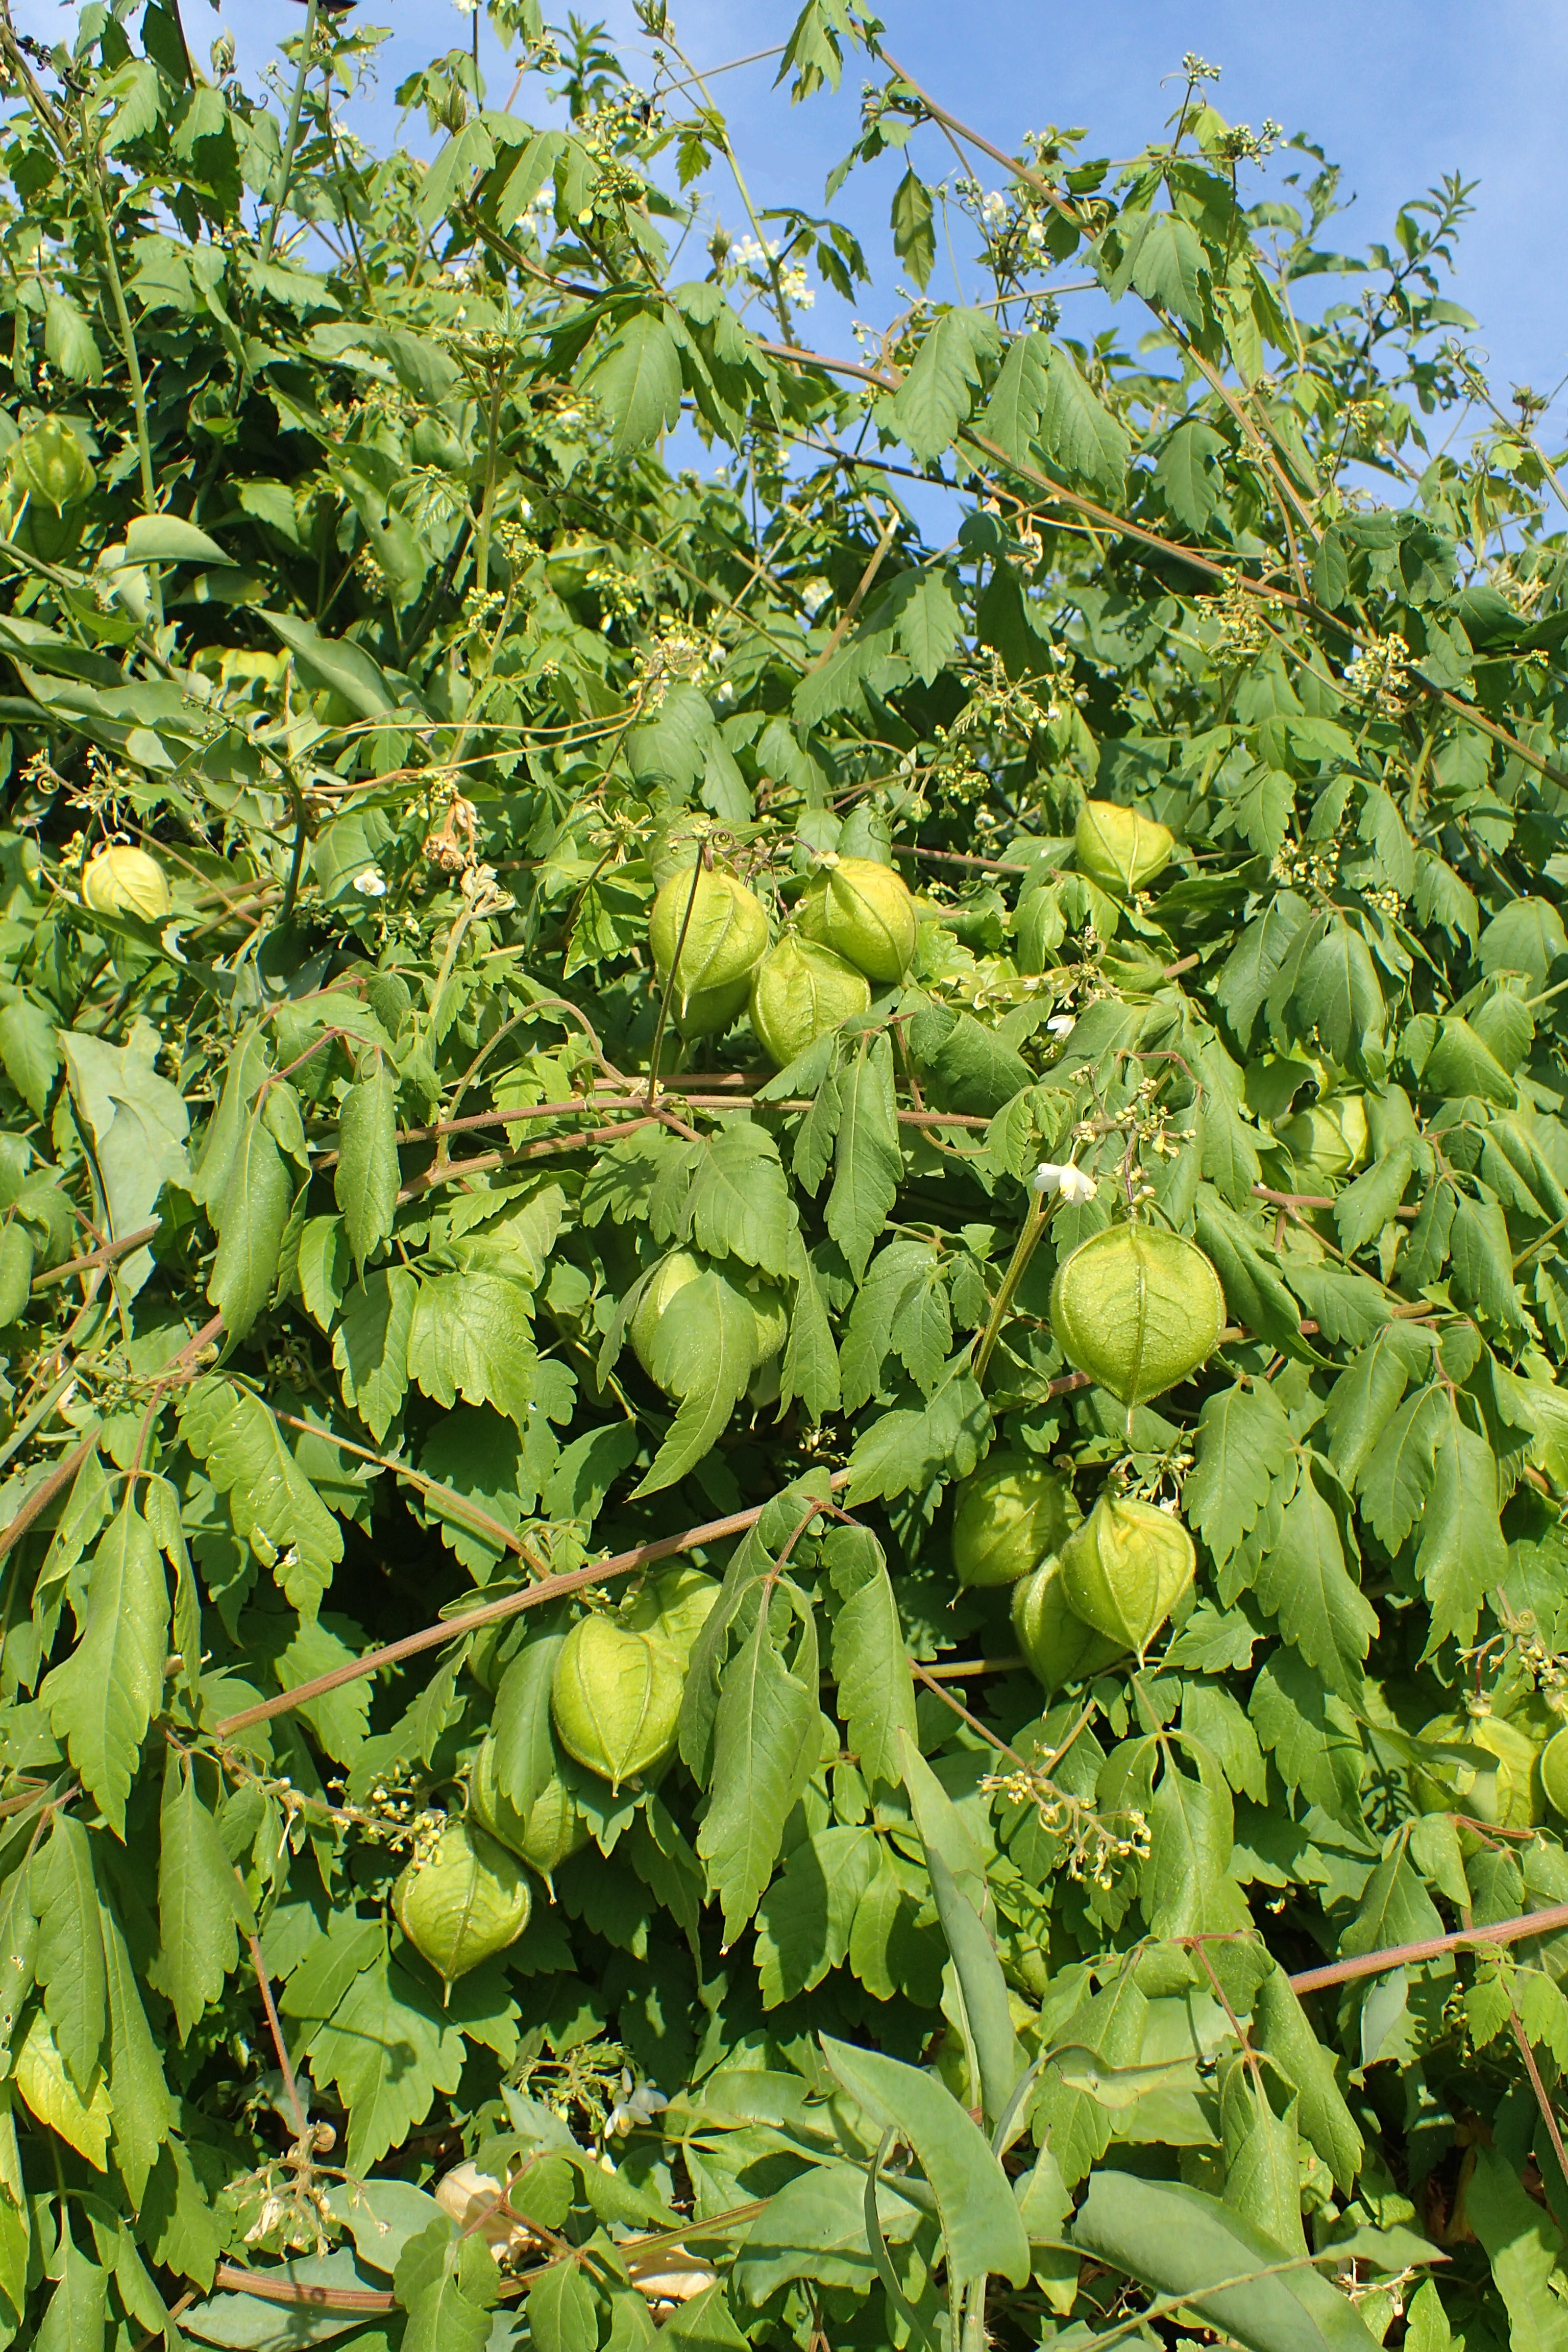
point(615, 1699)
point(773, 1324)
point(1057, 1646)
point(709, 1012)
point(1503, 1792)
point(125, 881)
point(672, 1608)
point(1125, 1569)
point(799, 991)
point(50, 463)
point(1138, 1309)
point(544, 1835)
point(711, 951)
point(1329, 1138)
point(864, 912)
point(1119, 849)
point(671, 1273)
point(464, 1901)
point(1554, 1770)
point(1011, 1514)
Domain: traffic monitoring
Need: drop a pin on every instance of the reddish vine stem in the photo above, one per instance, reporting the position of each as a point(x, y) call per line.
point(104, 1256)
point(274, 2026)
point(452, 1628)
point(1399, 1956)
point(1547, 2114)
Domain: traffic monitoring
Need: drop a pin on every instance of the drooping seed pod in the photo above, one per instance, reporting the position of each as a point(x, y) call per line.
point(1138, 1309)
point(672, 1607)
point(544, 1835)
point(1125, 1568)
point(864, 912)
point(671, 1276)
point(1013, 1511)
point(1120, 848)
point(50, 463)
point(1328, 1137)
point(799, 991)
point(672, 1273)
point(615, 1699)
point(1504, 1790)
point(710, 950)
point(1057, 1646)
point(772, 1323)
point(464, 1901)
point(121, 880)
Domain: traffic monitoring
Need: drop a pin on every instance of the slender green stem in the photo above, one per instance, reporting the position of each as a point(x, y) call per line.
point(127, 344)
point(291, 140)
point(297, 856)
point(1023, 1251)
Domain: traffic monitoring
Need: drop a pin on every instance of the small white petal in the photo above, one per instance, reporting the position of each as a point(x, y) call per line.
point(370, 883)
point(1047, 1177)
point(1061, 1024)
point(1076, 1187)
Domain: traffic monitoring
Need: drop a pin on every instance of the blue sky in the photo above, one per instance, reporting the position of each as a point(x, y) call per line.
point(1397, 91)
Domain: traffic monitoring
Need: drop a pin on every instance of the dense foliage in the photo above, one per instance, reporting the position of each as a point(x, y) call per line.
point(524, 1425)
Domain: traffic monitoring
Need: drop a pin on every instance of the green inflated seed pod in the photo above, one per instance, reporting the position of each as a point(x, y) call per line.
point(773, 1324)
point(49, 462)
point(1120, 848)
point(1125, 1568)
point(672, 1607)
point(864, 912)
point(709, 931)
point(615, 1699)
point(1329, 1138)
point(799, 991)
point(1553, 1770)
point(671, 1273)
point(464, 1901)
point(1010, 1514)
point(1057, 1646)
point(121, 880)
point(1137, 1310)
point(550, 1830)
point(1503, 1790)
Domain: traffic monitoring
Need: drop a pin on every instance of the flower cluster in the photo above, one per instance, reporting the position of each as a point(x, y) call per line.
point(1381, 674)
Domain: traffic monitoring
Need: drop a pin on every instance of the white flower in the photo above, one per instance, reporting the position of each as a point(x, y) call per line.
point(994, 210)
point(1061, 1024)
point(635, 2106)
point(1071, 1183)
point(371, 884)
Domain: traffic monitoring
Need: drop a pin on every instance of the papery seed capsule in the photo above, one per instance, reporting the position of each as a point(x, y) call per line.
point(672, 1608)
point(615, 1699)
point(1057, 1646)
point(1502, 1792)
point(1125, 1568)
point(800, 990)
point(1554, 1770)
point(672, 1273)
point(1120, 848)
point(1328, 1137)
point(50, 463)
point(463, 1902)
point(711, 950)
point(773, 1324)
point(863, 911)
point(550, 1830)
point(1138, 1309)
point(1012, 1513)
point(121, 880)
